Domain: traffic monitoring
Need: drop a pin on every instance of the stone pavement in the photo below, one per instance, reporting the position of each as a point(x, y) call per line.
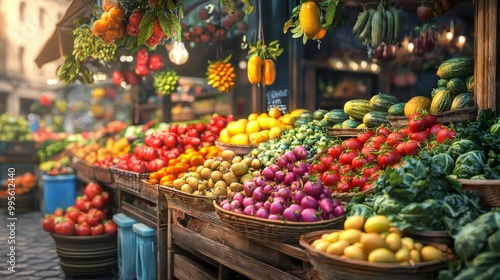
point(35, 255)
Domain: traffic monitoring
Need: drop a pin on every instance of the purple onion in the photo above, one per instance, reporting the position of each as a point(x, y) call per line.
point(306, 177)
point(336, 203)
point(309, 202)
point(327, 191)
point(258, 194)
point(249, 187)
point(290, 156)
point(268, 189)
point(277, 198)
point(326, 205)
point(266, 204)
point(331, 216)
point(301, 152)
point(238, 196)
point(268, 173)
point(289, 167)
point(236, 204)
point(298, 196)
point(289, 178)
point(238, 211)
point(247, 201)
point(224, 202)
point(324, 216)
point(279, 176)
point(339, 211)
point(313, 188)
point(259, 205)
point(309, 215)
point(226, 207)
point(300, 168)
point(259, 181)
point(249, 210)
point(282, 162)
point(292, 213)
point(274, 167)
point(262, 213)
point(285, 193)
point(276, 207)
point(274, 217)
point(295, 186)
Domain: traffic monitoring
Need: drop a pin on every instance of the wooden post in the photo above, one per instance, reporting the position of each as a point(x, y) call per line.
point(486, 29)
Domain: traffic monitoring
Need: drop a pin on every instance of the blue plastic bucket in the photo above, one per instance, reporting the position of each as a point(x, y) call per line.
point(58, 191)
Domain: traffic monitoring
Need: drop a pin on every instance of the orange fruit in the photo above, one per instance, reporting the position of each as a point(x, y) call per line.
point(104, 16)
point(275, 113)
point(113, 24)
point(107, 4)
point(100, 27)
point(320, 34)
point(116, 14)
point(121, 31)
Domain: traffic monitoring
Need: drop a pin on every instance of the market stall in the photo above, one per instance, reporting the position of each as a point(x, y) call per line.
point(347, 169)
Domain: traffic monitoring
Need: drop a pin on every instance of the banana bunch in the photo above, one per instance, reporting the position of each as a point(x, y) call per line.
point(87, 45)
point(376, 26)
point(166, 81)
point(220, 74)
point(71, 71)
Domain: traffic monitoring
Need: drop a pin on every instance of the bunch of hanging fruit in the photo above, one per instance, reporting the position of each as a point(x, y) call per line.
point(220, 74)
point(307, 20)
point(261, 67)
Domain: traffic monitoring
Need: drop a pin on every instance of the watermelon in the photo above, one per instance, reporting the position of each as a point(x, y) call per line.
point(456, 86)
point(463, 100)
point(350, 124)
point(469, 83)
point(442, 83)
point(397, 109)
point(434, 91)
point(336, 116)
point(441, 102)
point(319, 114)
point(382, 101)
point(357, 108)
point(375, 119)
point(456, 67)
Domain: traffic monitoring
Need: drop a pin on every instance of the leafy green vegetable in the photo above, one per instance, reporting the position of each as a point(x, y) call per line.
point(470, 164)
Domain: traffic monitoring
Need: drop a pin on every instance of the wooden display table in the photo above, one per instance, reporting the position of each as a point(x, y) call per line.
point(204, 235)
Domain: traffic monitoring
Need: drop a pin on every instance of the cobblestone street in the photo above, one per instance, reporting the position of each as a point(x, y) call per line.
point(35, 255)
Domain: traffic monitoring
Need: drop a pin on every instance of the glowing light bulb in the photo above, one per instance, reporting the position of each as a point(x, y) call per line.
point(461, 40)
point(410, 47)
point(364, 64)
point(449, 36)
point(178, 54)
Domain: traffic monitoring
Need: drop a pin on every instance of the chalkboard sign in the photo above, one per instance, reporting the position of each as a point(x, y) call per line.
point(278, 99)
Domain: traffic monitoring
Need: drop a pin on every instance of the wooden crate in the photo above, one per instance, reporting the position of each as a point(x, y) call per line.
point(17, 151)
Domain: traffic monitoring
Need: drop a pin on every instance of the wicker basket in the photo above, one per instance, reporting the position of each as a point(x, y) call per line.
point(343, 132)
point(86, 169)
point(237, 149)
point(152, 190)
point(103, 174)
point(435, 237)
point(272, 230)
point(345, 197)
point(128, 180)
point(186, 200)
point(455, 116)
point(337, 268)
point(489, 190)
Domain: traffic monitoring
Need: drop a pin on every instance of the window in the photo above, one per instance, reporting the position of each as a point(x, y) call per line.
point(41, 17)
point(26, 104)
point(21, 60)
point(22, 8)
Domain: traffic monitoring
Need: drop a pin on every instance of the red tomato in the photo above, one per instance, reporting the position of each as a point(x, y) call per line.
point(97, 230)
point(417, 124)
point(359, 161)
point(371, 157)
point(435, 129)
point(109, 227)
point(383, 131)
point(368, 170)
point(352, 144)
point(394, 138)
point(335, 150)
point(345, 169)
point(430, 119)
point(83, 229)
point(400, 148)
point(91, 190)
point(107, 196)
point(319, 167)
point(375, 176)
point(359, 181)
point(366, 187)
point(327, 159)
point(346, 177)
point(405, 131)
point(367, 150)
point(73, 213)
point(347, 156)
point(421, 136)
point(335, 166)
point(99, 202)
point(93, 218)
point(364, 136)
point(83, 218)
point(330, 178)
point(444, 134)
point(388, 158)
point(66, 227)
point(200, 127)
point(411, 147)
point(48, 223)
point(376, 141)
point(170, 140)
point(344, 187)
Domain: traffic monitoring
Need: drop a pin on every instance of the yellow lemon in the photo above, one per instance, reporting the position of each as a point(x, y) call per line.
point(263, 115)
point(235, 127)
point(224, 136)
point(297, 112)
point(253, 116)
point(289, 119)
point(268, 123)
point(275, 113)
point(256, 138)
point(251, 127)
point(265, 134)
point(239, 139)
point(274, 132)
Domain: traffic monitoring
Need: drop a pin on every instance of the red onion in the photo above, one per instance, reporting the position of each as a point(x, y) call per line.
point(300, 168)
point(249, 187)
point(262, 213)
point(276, 207)
point(258, 195)
point(282, 162)
point(292, 213)
point(289, 167)
point(324, 216)
point(331, 216)
point(238, 211)
point(259, 204)
point(309, 202)
point(247, 201)
point(290, 156)
point(309, 215)
point(236, 204)
point(313, 188)
point(326, 205)
point(339, 211)
point(266, 204)
point(268, 173)
point(298, 196)
point(238, 196)
point(336, 203)
point(249, 210)
point(279, 176)
point(268, 189)
point(295, 186)
point(300, 152)
point(306, 177)
point(274, 217)
point(259, 181)
point(285, 193)
point(226, 207)
point(289, 178)
point(274, 167)
point(224, 202)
